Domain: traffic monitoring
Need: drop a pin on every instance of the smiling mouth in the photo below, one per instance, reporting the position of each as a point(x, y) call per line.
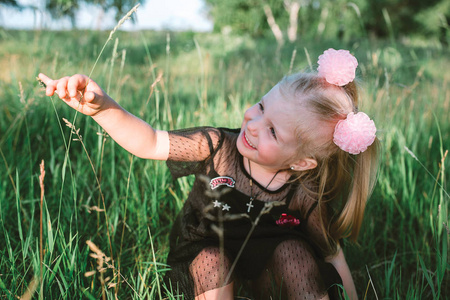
point(248, 142)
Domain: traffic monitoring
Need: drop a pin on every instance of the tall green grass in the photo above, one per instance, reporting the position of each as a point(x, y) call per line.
point(177, 80)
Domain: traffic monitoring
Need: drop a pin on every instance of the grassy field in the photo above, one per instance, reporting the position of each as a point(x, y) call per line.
point(94, 191)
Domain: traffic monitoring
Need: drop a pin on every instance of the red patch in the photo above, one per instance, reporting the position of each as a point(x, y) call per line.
point(287, 221)
point(222, 180)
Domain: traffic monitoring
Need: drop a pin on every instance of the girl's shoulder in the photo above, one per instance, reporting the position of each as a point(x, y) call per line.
point(214, 134)
point(205, 137)
point(193, 148)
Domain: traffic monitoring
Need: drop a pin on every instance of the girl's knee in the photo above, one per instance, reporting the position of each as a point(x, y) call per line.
point(221, 293)
point(210, 270)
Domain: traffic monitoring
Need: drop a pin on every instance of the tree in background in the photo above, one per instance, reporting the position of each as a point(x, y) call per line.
point(62, 8)
point(241, 16)
point(67, 8)
point(402, 15)
point(291, 19)
point(288, 19)
point(292, 7)
point(8, 2)
point(340, 18)
point(121, 6)
point(434, 21)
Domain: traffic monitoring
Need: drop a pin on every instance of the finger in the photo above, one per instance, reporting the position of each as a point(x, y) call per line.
point(61, 87)
point(76, 83)
point(44, 78)
point(50, 85)
point(89, 96)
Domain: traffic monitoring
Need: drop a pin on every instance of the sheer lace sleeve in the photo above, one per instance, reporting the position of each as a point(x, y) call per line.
point(190, 149)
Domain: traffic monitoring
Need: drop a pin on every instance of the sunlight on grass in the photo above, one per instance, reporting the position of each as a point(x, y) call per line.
point(181, 80)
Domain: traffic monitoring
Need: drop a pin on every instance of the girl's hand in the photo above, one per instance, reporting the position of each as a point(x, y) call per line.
point(79, 92)
point(133, 134)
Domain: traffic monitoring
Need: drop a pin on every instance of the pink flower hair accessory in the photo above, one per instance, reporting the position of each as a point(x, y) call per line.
point(337, 66)
point(355, 133)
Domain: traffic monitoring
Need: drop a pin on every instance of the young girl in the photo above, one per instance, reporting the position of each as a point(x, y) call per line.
point(271, 200)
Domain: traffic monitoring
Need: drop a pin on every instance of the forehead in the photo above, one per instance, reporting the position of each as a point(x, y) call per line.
point(289, 106)
point(293, 116)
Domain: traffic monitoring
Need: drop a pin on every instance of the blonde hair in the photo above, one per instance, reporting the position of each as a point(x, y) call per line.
point(344, 179)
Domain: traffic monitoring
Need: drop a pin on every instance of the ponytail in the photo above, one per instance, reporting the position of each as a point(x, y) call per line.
point(349, 221)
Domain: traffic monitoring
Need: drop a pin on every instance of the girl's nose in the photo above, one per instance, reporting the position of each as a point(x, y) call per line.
point(252, 126)
point(252, 118)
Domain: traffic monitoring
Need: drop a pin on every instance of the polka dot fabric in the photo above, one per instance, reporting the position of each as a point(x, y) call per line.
point(274, 261)
point(294, 270)
point(209, 270)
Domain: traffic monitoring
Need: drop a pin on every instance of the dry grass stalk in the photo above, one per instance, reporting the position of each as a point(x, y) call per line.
point(120, 23)
point(74, 130)
point(93, 208)
point(152, 87)
point(101, 269)
point(22, 97)
point(80, 139)
point(103, 264)
point(126, 17)
point(28, 295)
point(429, 173)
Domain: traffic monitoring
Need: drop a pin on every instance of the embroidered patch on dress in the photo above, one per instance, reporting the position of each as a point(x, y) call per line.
point(287, 221)
point(221, 180)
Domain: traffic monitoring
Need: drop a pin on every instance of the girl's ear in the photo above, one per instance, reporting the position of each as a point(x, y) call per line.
point(304, 164)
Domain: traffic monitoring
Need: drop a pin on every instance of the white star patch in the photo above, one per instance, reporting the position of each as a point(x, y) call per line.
point(217, 203)
point(226, 207)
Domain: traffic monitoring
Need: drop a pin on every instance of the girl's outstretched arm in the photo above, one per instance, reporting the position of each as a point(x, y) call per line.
point(133, 134)
point(339, 262)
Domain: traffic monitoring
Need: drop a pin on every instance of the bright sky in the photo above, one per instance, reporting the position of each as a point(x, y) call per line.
point(154, 14)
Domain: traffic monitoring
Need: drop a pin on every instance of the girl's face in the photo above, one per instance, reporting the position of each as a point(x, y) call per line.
point(267, 135)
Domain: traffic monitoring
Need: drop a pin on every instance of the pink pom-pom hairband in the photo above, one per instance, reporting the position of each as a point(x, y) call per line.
point(357, 132)
point(338, 67)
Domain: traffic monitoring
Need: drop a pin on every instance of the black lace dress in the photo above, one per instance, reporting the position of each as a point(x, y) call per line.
point(220, 237)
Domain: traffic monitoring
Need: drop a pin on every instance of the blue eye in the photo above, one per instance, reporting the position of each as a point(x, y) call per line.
point(272, 131)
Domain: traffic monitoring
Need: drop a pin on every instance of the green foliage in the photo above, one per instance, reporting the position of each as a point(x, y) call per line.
point(9, 2)
point(207, 79)
point(63, 8)
point(337, 19)
point(67, 8)
point(434, 20)
point(316, 18)
point(239, 16)
point(408, 17)
point(120, 6)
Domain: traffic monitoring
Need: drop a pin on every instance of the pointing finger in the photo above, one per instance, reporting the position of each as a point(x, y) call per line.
point(44, 78)
point(49, 84)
